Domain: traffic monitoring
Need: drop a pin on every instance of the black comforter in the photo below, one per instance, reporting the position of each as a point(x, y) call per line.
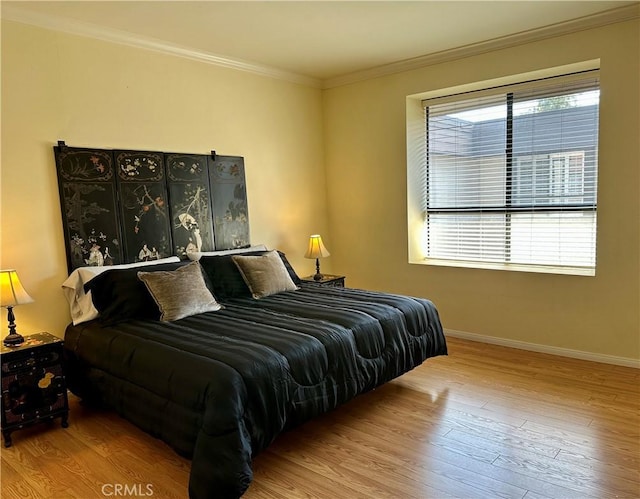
point(220, 386)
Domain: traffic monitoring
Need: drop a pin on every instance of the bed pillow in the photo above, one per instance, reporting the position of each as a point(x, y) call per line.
point(264, 274)
point(81, 307)
point(118, 295)
point(180, 293)
point(225, 280)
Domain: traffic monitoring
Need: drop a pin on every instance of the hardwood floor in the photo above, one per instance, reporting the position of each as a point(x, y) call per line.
point(484, 422)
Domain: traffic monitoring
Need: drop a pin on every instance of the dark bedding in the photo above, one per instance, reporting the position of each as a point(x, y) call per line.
point(220, 386)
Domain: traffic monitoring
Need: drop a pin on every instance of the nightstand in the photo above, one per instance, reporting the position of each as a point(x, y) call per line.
point(337, 281)
point(33, 383)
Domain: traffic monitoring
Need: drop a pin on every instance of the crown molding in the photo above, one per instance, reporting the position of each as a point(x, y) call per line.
point(74, 27)
point(89, 30)
point(612, 16)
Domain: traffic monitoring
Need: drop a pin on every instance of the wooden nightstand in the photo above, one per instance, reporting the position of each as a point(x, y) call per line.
point(337, 281)
point(33, 383)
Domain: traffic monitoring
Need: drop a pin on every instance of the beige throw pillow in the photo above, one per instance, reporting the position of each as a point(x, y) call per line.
point(180, 293)
point(264, 274)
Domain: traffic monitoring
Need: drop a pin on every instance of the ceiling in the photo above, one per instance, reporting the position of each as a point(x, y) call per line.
point(316, 40)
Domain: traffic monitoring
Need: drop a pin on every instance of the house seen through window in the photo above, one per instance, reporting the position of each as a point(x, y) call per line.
point(510, 175)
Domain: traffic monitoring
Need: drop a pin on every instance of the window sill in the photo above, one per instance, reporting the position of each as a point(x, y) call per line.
point(513, 267)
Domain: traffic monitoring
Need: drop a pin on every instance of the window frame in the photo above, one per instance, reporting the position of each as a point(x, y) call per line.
point(419, 237)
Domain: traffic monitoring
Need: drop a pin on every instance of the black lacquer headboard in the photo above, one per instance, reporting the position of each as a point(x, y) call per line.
point(123, 206)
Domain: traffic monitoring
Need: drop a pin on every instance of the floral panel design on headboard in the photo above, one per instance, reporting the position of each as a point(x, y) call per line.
point(86, 182)
point(146, 229)
point(190, 203)
point(229, 198)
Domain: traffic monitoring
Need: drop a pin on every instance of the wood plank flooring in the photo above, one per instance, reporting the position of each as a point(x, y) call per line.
point(484, 422)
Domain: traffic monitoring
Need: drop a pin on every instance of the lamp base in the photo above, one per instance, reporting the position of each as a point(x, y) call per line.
point(318, 276)
point(12, 340)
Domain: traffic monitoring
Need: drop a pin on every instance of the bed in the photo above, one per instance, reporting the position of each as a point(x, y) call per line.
point(219, 355)
point(218, 386)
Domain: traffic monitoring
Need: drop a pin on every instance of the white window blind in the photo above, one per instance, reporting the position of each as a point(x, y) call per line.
point(511, 174)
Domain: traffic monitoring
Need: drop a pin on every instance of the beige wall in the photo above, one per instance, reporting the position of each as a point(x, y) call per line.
point(306, 152)
point(97, 94)
point(365, 151)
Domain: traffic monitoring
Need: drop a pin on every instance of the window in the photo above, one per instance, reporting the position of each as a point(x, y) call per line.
point(510, 176)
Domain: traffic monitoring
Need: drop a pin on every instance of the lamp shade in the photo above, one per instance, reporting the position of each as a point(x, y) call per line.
point(11, 290)
point(316, 248)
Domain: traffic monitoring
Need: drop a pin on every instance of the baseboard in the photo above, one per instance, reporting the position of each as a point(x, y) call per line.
point(534, 347)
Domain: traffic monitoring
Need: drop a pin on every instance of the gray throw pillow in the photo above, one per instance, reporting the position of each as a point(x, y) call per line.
point(179, 293)
point(264, 274)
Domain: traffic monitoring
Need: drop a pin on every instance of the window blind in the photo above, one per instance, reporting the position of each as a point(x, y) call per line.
point(511, 174)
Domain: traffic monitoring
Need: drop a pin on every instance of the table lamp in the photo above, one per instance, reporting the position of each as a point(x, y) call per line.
point(12, 293)
point(316, 250)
